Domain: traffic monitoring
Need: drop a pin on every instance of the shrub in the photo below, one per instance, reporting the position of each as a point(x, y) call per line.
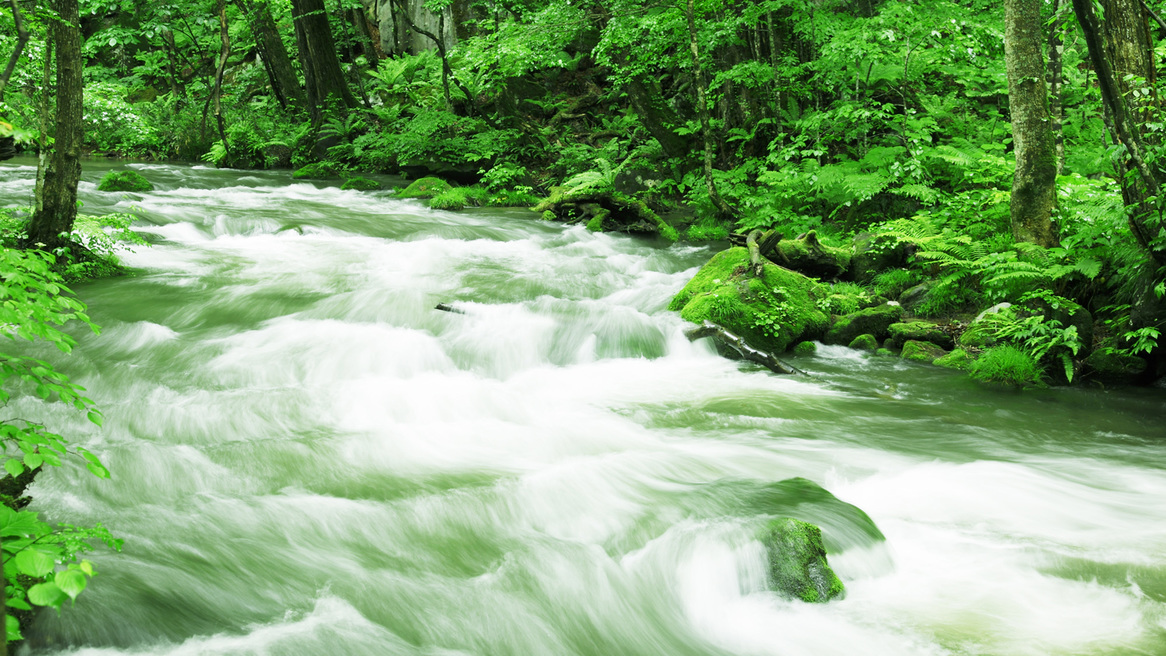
point(1008, 365)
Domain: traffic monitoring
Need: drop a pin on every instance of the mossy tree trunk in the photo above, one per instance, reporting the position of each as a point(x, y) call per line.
point(1034, 182)
point(284, 80)
point(325, 82)
point(57, 208)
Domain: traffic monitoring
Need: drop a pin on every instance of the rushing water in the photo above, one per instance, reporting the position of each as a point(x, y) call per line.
point(309, 459)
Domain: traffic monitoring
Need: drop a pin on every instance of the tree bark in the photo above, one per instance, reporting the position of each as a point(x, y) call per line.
point(50, 225)
point(224, 54)
point(1056, 79)
point(724, 212)
point(326, 85)
point(1034, 182)
point(283, 75)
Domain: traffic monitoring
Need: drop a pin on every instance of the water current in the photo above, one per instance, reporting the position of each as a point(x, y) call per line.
point(309, 459)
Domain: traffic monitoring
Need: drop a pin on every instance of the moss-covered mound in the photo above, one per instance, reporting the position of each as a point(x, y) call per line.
point(922, 331)
point(958, 359)
point(124, 181)
point(361, 184)
point(797, 561)
point(921, 351)
point(770, 312)
point(875, 321)
point(456, 198)
point(1109, 366)
point(865, 342)
point(510, 198)
point(316, 171)
point(425, 188)
point(805, 348)
point(813, 258)
point(604, 210)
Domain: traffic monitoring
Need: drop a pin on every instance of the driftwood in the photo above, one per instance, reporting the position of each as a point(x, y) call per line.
point(728, 339)
point(446, 307)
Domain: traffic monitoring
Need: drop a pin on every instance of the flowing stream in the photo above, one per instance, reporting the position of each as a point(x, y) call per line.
point(309, 459)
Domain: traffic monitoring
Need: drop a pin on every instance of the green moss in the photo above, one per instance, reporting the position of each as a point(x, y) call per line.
point(921, 351)
point(361, 184)
point(317, 171)
point(884, 352)
point(797, 561)
point(875, 321)
point(810, 256)
point(865, 342)
point(596, 222)
point(1008, 365)
point(425, 188)
point(548, 215)
point(512, 199)
point(124, 181)
point(977, 336)
point(806, 348)
point(770, 312)
point(706, 230)
point(448, 200)
point(923, 331)
point(957, 359)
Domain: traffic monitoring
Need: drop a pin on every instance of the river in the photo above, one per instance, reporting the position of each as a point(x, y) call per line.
point(309, 459)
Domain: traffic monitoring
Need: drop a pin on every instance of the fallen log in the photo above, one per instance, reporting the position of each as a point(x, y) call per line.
point(738, 345)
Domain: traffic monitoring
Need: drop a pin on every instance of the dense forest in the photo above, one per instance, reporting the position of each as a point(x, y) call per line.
point(949, 156)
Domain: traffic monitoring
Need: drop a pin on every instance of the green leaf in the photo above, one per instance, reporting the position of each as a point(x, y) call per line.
point(12, 626)
point(97, 469)
point(34, 563)
point(71, 582)
point(18, 603)
point(32, 460)
point(19, 523)
point(13, 467)
point(47, 594)
point(95, 417)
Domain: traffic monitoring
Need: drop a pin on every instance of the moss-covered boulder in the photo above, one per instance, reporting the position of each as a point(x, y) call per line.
point(865, 343)
point(425, 188)
point(456, 198)
point(797, 561)
point(805, 348)
point(1112, 367)
point(921, 351)
point(770, 312)
point(875, 321)
point(124, 181)
point(810, 256)
point(317, 171)
point(958, 359)
point(923, 331)
point(913, 296)
point(602, 209)
point(361, 184)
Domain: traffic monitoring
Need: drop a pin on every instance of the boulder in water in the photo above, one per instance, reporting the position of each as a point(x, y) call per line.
point(797, 561)
point(425, 188)
point(923, 331)
point(875, 321)
point(124, 181)
point(770, 311)
point(921, 351)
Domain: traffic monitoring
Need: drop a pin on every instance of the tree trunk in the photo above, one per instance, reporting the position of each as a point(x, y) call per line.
point(283, 74)
point(1034, 194)
point(21, 39)
point(657, 117)
point(724, 212)
point(1056, 78)
point(326, 85)
point(224, 54)
point(59, 204)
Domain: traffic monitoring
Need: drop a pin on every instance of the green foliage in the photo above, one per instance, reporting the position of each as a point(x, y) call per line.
point(317, 171)
point(1008, 365)
point(893, 282)
point(707, 229)
point(1039, 337)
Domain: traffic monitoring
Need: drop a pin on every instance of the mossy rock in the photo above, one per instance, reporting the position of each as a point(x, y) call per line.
point(805, 348)
point(124, 181)
point(865, 343)
point(361, 184)
point(874, 253)
point(1109, 366)
point(770, 312)
point(810, 256)
point(317, 171)
point(425, 188)
point(923, 331)
point(549, 216)
point(507, 198)
point(885, 353)
point(875, 321)
point(797, 561)
point(604, 210)
point(913, 297)
point(958, 359)
point(978, 336)
point(921, 351)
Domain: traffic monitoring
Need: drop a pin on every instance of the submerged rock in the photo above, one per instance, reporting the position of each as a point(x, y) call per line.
point(124, 181)
point(797, 561)
point(875, 321)
point(770, 312)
